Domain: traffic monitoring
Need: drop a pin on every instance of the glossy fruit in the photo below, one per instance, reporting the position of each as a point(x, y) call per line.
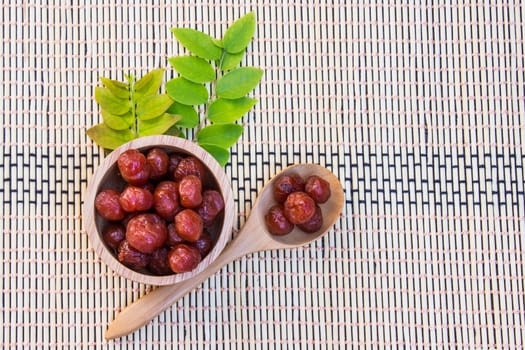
point(134, 167)
point(287, 184)
point(276, 221)
point(131, 257)
point(317, 188)
point(135, 198)
point(315, 223)
point(166, 199)
point(189, 166)
point(158, 160)
point(299, 207)
point(203, 244)
point(146, 232)
point(190, 191)
point(113, 235)
point(212, 204)
point(183, 258)
point(108, 206)
point(188, 225)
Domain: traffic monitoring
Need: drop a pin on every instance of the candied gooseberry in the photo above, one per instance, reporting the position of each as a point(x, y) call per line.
point(135, 198)
point(108, 206)
point(158, 160)
point(188, 225)
point(317, 188)
point(166, 199)
point(276, 221)
point(315, 223)
point(146, 232)
point(133, 167)
point(299, 207)
point(183, 258)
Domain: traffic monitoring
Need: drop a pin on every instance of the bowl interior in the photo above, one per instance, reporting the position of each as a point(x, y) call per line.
point(107, 177)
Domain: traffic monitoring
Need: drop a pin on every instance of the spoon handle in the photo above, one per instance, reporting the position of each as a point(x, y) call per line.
point(150, 305)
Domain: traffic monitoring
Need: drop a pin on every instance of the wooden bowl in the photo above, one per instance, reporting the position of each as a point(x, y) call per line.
point(107, 176)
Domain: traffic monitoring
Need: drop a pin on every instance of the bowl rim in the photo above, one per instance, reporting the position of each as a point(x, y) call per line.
point(173, 143)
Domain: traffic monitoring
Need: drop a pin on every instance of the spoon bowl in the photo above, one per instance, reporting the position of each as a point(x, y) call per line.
point(253, 237)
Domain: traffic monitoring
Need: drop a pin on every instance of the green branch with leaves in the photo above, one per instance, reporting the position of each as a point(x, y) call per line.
point(209, 76)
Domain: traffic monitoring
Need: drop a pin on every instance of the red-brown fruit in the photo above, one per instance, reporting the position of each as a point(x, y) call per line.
point(131, 257)
point(190, 191)
point(286, 184)
point(173, 236)
point(317, 188)
point(299, 207)
point(173, 162)
point(135, 198)
point(146, 232)
point(158, 263)
point(113, 234)
point(183, 258)
point(315, 223)
point(189, 166)
point(158, 160)
point(108, 206)
point(188, 225)
point(212, 204)
point(203, 244)
point(166, 199)
point(134, 167)
point(276, 221)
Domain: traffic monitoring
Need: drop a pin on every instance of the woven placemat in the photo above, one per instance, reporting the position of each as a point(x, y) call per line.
point(417, 108)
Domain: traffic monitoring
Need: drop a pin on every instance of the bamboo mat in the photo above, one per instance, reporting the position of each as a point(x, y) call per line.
point(417, 108)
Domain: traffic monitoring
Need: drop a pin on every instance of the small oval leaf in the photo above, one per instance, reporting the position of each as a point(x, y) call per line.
point(193, 68)
point(190, 117)
point(231, 60)
point(222, 135)
point(153, 106)
point(238, 82)
point(110, 102)
point(187, 92)
point(117, 122)
point(223, 111)
point(220, 154)
point(157, 126)
point(239, 33)
point(117, 88)
point(108, 138)
point(150, 83)
point(198, 43)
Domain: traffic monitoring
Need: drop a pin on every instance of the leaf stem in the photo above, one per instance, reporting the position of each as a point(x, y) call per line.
point(213, 94)
point(133, 102)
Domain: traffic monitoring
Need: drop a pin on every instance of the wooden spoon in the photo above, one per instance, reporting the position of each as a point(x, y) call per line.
point(252, 238)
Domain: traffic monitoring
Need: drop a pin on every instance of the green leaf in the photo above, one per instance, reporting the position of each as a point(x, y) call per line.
point(117, 122)
point(175, 131)
point(158, 125)
point(223, 111)
point(117, 88)
point(110, 102)
point(239, 33)
point(153, 106)
point(220, 154)
point(238, 82)
point(199, 43)
point(108, 138)
point(187, 92)
point(150, 83)
point(222, 135)
point(190, 117)
point(193, 68)
point(231, 60)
